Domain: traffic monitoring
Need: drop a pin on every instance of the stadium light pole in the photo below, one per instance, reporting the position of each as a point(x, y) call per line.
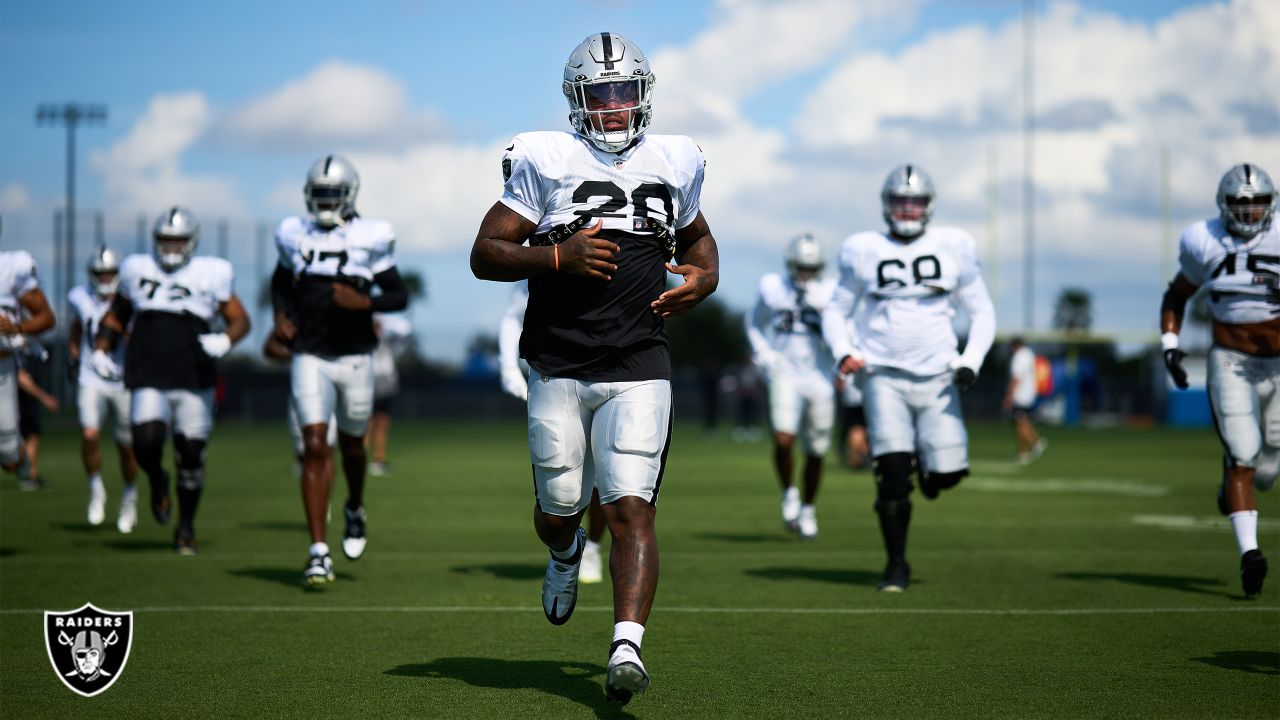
point(70, 115)
point(1028, 163)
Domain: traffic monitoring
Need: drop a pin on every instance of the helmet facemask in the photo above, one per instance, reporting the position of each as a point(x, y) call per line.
point(609, 86)
point(176, 234)
point(330, 191)
point(907, 200)
point(104, 272)
point(804, 261)
point(1246, 200)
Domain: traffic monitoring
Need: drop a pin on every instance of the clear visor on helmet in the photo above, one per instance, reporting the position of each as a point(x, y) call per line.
point(611, 106)
point(326, 197)
point(1249, 210)
point(908, 208)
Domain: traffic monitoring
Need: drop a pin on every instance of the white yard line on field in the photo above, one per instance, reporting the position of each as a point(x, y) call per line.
point(681, 610)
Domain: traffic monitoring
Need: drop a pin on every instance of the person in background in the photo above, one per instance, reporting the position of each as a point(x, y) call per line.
point(1020, 400)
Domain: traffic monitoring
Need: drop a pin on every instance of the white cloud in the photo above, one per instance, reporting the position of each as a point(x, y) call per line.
point(15, 198)
point(337, 103)
point(143, 171)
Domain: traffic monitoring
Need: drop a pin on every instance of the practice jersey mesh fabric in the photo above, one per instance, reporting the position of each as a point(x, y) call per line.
point(171, 311)
point(1242, 277)
point(584, 328)
point(352, 253)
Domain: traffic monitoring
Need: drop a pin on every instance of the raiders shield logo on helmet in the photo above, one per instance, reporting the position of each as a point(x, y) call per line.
point(88, 647)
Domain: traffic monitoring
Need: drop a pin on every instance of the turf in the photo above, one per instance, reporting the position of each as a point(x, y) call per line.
point(1098, 582)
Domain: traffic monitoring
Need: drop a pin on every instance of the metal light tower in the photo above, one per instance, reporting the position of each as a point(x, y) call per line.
point(1028, 164)
point(71, 115)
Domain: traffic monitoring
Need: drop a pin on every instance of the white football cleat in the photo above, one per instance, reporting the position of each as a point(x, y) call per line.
point(791, 509)
point(560, 586)
point(808, 523)
point(127, 520)
point(591, 571)
point(353, 539)
point(97, 505)
point(627, 675)
point(319, 571)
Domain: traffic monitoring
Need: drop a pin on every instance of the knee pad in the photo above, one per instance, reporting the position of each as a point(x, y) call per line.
point(190, 462)
point(1264, 476)
point(148, 443)
point(893, 477)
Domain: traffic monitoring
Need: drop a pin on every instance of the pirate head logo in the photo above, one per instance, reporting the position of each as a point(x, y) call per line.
point(88, 647)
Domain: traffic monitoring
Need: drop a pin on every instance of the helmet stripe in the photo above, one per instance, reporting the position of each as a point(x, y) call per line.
point(327, 162)
point(1248, 174)
point(608, 50)
point(173, 215)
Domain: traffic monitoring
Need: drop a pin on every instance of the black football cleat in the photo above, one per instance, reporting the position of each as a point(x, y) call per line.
point(560, 585)
point(160, 503)
point(897, 575)
point(184, 540)
point(1253, 570)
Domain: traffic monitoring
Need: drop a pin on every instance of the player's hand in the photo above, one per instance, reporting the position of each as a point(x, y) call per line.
point(514, 384)
point(103, 365)
point(965, 377)
point(697, 285)
point(284, 329)
point(8, 326)
point(587, 255)
point(851, 364)
point(349, 298)
point(215, 345)
point(1173, 363)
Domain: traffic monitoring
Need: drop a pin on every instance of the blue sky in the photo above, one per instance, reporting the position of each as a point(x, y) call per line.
point(802, 108)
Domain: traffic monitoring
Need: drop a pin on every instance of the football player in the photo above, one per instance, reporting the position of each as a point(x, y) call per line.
point(603, 210)
point(98, 398)
point(171, 300)
point(330, 262)
point(910, 280)
point(515, 385)
point(24, 312)
point(785, 331)
point(1236, 257)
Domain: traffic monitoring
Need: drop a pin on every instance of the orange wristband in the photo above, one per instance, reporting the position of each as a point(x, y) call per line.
point(556, 251)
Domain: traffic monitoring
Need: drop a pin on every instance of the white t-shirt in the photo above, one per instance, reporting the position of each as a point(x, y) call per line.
point(1022, 368)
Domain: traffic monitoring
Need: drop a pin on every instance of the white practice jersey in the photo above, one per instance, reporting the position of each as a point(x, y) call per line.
point(1242, 278)
point(170, 311)
point(786, 323)
point(582, 327)
point(909, 292)
point(17, 278)
point(512, 324)
point(88, 309)
point(354, 253)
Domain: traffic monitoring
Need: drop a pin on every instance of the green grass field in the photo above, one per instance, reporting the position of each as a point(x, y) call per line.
point(1099, 582)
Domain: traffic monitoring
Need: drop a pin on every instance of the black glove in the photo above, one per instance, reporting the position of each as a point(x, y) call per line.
point(965, 378)
point(73, 369)
point(1173, 363)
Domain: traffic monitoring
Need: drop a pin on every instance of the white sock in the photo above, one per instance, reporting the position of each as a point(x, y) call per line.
point(130, 492)
point(592, 547)
point(568, 552)
point(1245, 523)
point(95, 483)
point(319, 549)
point(809, 510)
point(791, 494)
point(630, 631)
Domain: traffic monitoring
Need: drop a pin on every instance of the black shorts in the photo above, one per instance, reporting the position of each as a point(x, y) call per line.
point(30, 415)
point(382, 405)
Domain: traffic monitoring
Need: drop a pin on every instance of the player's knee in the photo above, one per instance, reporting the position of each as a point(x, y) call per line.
point(89, 436)
point(148, 442)
point(352, 447)
point(314, 447)
point(784, 441)
point(893, 476)
point(189, 454)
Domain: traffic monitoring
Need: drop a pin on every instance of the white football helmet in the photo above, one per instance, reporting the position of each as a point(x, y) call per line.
point(104, 262)
point(1246, 200)
point(907, 197)
point(804, 259)
point(176, 234)
point(609, 86)
point(332, 184)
